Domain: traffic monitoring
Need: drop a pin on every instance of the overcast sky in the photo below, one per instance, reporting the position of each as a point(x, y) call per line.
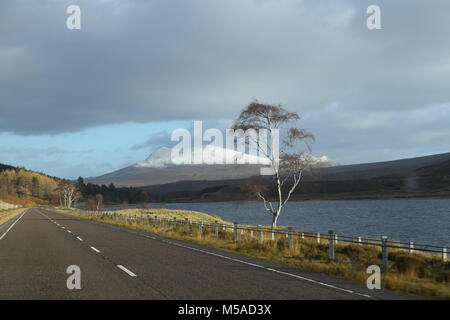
point(86, 102)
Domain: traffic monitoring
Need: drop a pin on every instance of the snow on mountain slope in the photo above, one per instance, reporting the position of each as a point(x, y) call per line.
point(210, 155)
point(158, 159)
point(160, 168)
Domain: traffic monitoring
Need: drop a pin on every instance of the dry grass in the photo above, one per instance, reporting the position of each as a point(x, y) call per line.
point(6, 215)
point(180, 215)
point(26, 201)
point(420, 274)
point(171, 213)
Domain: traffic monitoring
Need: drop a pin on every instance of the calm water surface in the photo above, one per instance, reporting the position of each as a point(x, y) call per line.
point(420, 220)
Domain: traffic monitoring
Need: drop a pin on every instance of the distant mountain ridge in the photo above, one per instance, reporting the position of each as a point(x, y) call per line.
point(427, 176)
point(159, 168)
point(382, 168)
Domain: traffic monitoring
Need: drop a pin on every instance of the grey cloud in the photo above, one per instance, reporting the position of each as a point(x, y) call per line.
point(163, 138)
point(148, 61)
point(159, 60)
point(157, 139)
point(353, 137)
point(29, 153)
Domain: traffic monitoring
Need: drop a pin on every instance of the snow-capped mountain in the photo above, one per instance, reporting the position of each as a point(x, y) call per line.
point(207, 155)
point(162, 168)
point(158, 159)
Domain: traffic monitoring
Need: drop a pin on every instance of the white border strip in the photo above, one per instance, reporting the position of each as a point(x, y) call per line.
point(270, 269)
point(10, 227)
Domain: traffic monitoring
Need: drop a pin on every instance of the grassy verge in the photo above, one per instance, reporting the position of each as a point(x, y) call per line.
point(164, 213)
point(416, 273)
point(6, 215)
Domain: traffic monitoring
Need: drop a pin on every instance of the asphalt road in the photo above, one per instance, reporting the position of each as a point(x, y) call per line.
point(37, 248)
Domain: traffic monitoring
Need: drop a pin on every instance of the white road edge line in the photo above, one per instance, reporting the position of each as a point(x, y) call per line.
point(96, 250)
point(270, 269)
point(10, 227)
point(131, 274)
point(69, 231)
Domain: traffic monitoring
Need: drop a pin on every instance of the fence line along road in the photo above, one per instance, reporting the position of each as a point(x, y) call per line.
point(260, 231)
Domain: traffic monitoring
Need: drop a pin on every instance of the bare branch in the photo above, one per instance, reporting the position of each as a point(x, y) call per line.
point(258, 116)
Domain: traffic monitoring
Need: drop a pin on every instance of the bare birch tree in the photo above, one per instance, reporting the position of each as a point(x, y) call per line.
point(68, 193)
point(287, 164)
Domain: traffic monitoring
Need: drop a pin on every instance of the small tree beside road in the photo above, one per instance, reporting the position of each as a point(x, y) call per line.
point(288, 164)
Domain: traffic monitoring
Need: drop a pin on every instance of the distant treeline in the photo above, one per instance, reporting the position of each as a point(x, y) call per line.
point(4, 167)
point(25, 184)
point(112, 194)
point(26, 187)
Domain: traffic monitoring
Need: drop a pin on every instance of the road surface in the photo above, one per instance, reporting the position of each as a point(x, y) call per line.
point(116, 263)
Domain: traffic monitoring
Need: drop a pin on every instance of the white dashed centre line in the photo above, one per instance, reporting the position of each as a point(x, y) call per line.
point(96, 250)
point(131, 274)
point(79, 239)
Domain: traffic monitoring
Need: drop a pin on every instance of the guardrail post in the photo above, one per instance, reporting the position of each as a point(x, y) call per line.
point(235, 231)
point(384, 252)
point(174, 222)
point(444, 254)
point(156, 220)
point(186, 225)
point(318, 237)
point(411, 247)
point(200, 228)
point(303, 235)
point(261, 233)
point(164, 223)
point(216, 229)
point(335, 238)
point(360, 241)
point(331, 241)
point(291, 238)
point(251, 233)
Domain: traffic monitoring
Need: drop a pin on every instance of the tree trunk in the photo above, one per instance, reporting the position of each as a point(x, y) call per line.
point(275, 219)
point(274, 222)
